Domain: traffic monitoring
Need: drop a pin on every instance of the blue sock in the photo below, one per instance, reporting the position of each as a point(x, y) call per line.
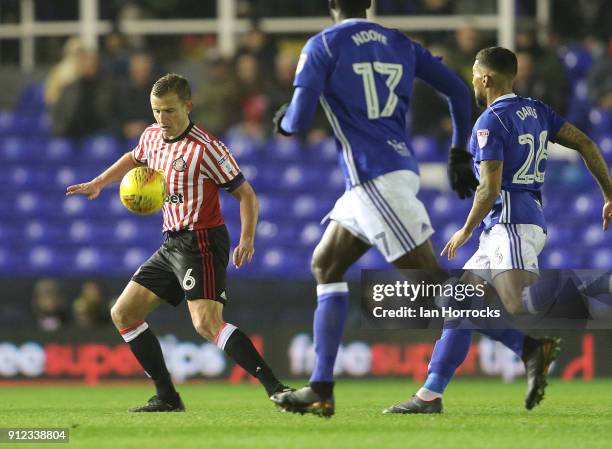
point(328, 326)
point(449, 353)
point(511, 338)
point(556, 296)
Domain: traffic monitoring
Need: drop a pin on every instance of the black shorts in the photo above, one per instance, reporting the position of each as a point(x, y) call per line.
point(189, 265)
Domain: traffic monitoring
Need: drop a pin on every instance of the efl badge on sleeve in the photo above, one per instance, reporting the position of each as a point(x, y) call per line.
point(483, 136)
point(301, 63)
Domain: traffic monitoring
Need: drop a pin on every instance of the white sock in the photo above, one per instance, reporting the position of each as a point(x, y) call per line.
point(427, 395)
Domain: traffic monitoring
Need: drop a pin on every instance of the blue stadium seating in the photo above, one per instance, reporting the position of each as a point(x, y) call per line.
point(46, 233)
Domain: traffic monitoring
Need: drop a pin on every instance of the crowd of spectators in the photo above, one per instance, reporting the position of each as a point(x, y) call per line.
point(88, 92)
point(53, 311)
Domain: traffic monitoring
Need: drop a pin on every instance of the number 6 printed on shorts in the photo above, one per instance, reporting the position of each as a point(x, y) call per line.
point(188, 281)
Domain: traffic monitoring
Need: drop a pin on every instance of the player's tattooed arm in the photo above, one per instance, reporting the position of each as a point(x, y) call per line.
point(484, 199)
point(486, 193)
point(571, 137)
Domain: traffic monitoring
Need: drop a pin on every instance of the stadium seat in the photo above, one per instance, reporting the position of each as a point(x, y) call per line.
point(324, 150)
point(32, 97)
point(244, 149)
point(283, 148)
point(604, 142)
point(426, 149)
point(587, 206)
point(101, 148)
point(600, 120)
point(560, 257)
point(602, 259)
point(577, 61)
point(58, 149)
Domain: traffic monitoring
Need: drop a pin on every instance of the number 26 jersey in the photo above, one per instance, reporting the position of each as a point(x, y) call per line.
point(516, 130)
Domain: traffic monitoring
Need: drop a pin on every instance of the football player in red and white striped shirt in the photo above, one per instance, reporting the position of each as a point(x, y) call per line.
point(192, 262)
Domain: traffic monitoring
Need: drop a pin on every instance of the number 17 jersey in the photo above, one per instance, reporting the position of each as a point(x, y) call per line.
point(516, 130)
point(363, 74)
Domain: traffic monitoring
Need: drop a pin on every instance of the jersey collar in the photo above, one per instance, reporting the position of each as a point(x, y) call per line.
point(503, 97)
point(354, 19)
point(182, 136)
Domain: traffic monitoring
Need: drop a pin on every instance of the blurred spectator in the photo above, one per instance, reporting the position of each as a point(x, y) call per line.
point(215, 103)
point(85, 106)
point(64, 72)
point(49, 305)
point(281, 91)
point(428, 108)
point(133, 102)
point(576, 19)
point(260, 45)
point(115, 55)
point(440, 7)
point(396, 7)
point(600, 81)
point(90, 308)
point(468, 42)
point(251, 98)
point(475, 6)
point(547, 87)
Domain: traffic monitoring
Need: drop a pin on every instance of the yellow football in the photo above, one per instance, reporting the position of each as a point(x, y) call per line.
point(143, 190)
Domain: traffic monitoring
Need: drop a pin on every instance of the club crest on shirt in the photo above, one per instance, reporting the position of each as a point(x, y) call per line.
point(483, 137)
point(179, 164)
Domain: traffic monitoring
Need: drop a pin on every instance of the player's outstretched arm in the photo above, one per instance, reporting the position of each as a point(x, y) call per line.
point(296, 116)
point(112, 174)
point(249, 211)
point(571, 137)
point(484, 199)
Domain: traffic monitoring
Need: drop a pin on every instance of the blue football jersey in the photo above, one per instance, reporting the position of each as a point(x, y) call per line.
point(363, 74)
point(516, 130)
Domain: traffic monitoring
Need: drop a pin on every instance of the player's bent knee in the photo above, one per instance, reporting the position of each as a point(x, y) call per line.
point(325, 270)
point(207, 319)
point(207, 328)
point(325, 274)
point(514, 306)
point(121, 318)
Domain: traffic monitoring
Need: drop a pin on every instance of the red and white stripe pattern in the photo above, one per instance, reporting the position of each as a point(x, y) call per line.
point(208, 268)
point(224, 334)
point(130, 333)
point(194, 166)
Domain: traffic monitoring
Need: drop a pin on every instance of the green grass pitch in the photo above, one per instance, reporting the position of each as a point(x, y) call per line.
point(478, 414)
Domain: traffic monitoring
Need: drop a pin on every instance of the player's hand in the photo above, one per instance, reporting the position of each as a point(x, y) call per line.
point(456, 242)
point(278, 118)
point(606, 214)
point(460, 172)
point(90, 189)
point(243, 253)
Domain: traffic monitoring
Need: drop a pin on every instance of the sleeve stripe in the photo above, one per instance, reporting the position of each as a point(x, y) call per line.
point(326, 46)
